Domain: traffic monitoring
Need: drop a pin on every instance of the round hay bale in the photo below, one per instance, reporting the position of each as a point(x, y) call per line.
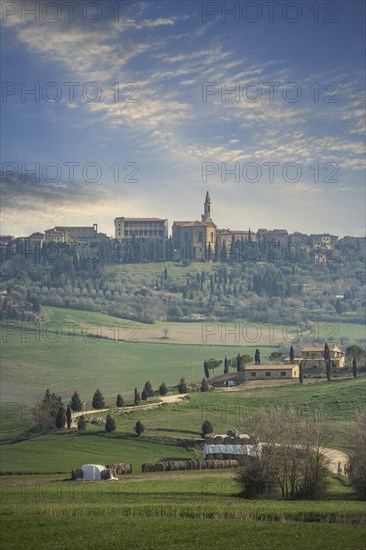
point(187, 465)
point(236, 440)
point(105, 474)
point(234, 463)
point(147, 467)
point(232, 433)
point(210, 463)
point(203, 465)
point(159, 467)
point(209, 456)
point(219, 456)
point(209, 439)
point(228, 440)
point(226, 456)
point(179, 465)
point(219, 440)
point(218, 464)
point(77, 473)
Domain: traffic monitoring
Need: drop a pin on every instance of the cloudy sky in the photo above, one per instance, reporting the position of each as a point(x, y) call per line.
point(138, 108)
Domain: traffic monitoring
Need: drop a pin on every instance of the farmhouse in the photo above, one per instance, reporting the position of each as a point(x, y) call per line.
point(313, 356)
point(271, 372)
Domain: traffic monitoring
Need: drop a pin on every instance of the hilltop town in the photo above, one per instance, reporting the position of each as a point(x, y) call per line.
point(148, 240)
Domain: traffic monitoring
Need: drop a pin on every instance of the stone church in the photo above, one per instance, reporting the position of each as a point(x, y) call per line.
point(195, 240)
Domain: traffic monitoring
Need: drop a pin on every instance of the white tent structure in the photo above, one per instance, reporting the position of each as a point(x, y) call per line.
point(92, 472)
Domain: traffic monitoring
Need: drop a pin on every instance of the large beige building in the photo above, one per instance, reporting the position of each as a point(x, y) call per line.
point(148, 228)
point(313, 356)
point(69, 234)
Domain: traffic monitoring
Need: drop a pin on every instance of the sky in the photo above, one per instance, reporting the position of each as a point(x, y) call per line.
point(139, 108)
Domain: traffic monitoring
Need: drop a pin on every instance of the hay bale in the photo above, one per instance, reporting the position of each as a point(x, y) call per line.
point(209, 456)
point(234, 463)
point(227, 456)
point(203, 464)
point(218, 464)
point(228, 440)
point(232, 433)
point(219, 456)
point(77, 473)
point(219, 440)
point(147, 467)
point(209, 439)
point(210, 463)
point(105, 474)
point(236, 440)
point(159, 467)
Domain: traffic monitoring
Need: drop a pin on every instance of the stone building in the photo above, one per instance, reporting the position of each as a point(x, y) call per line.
point(195, 240)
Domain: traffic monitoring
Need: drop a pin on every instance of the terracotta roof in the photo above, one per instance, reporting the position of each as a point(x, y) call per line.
point(332, 347)
point(141, 219)
point(195, 223)
point(270, 367)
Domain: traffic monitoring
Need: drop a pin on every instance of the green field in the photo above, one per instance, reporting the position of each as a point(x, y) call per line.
point(340, 400)
point(170, 511)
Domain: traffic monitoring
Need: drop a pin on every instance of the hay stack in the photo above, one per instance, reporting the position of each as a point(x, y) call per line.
point(77, 473)
point(219, 440)
point(228, 440)
point(159, 467)
point(209, 439)
point(147, 467)
point(237, 440)
point(120, 468)
point(219, 456)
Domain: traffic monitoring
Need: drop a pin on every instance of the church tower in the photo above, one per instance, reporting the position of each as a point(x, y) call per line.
point(206, 217)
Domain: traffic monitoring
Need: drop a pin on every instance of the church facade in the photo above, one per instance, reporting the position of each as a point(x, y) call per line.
point(195, 240)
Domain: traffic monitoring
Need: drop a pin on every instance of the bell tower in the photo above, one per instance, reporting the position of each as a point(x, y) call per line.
point(206, 217)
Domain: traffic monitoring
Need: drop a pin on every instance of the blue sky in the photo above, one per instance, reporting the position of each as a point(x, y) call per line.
point(171, 126)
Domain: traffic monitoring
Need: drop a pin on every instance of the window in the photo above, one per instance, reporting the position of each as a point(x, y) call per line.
point(268, 373)
point(283, 373)
point(253, 374)
point(200, 237)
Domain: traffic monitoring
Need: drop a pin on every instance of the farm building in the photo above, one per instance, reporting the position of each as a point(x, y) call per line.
point(271, 372)
point(313, 356)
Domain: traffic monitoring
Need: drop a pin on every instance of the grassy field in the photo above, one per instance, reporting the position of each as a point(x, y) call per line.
point(60, 451)
point(84, 364)
point(170, 511)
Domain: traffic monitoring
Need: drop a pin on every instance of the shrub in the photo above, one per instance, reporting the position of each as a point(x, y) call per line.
point(206, 428)
point(139, 428)
point(163, 390)
point(182, 386)
point(110, 424)
point(81, 423)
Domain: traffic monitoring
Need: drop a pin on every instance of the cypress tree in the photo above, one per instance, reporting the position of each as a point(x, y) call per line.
point(98, 400)
point(206, 428)
point(119, 401)
point(257, 357)
point(81, 423)
point(163, 390)
point(354, 367)
point(75, 402)
point(292, 355)
point(205, 368)
point(139, 428)
point(226, 366)
point(301, 374)
point(68, 417)
point(61, 418)
point(137, 397)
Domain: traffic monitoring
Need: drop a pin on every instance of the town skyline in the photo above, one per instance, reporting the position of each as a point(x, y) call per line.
point(120, 117)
